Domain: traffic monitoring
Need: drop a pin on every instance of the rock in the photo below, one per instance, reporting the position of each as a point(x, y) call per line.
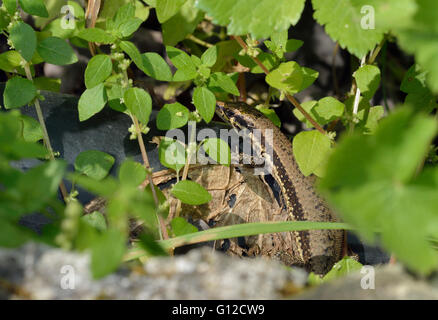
point(38, 272)
point(391, 282)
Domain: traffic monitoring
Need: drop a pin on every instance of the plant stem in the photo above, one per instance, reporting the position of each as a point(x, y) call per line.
point(187, 164)
point(46, 137)
point(288, 96)
point(199, 41)
point(356, 101)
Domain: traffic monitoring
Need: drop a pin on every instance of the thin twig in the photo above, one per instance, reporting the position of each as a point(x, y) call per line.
point(46, 137)
point(289, 97)
point(199, 41)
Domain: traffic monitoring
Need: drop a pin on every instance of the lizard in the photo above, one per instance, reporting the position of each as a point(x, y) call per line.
point(315, 250)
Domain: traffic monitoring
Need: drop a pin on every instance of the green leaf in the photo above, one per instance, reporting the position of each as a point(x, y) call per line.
point(369, 119)
point(205, 102)
point(156, 67)
point(340, 269)
point(181, 227)
point(344, 23)
point(10, 5)
point(418, 38)
point(182, 61)
point(91, 102)
point(10, 61)
point(106, 187)
point(272, 15)
point(129, 27)
point(167, 9)
point(181, 24)
point(218, 150)
point(47, 84)
point(209, 57)
point(327, 110)
point(94, 164)
point(288, 77)
point(190, 192)
point(132, 173)
point(24, 39)
point(131, 50)
point(372, 183)
point(32, 131)
point(56, 51)
point(172, 154)
point(415, 85)
point(310, 149)
point(116, 94)
point(223, 81)
point(12, 235)
point(323, 111)
point(40, 184)
point(107, 253)
point(172, 116)
point(270, 114)
point(96, 35)
point(368, 80)
point(268, 60)
point(18, 92)
point(34, 7)
point(139, 103)
point(96, 220)
point(99, 68)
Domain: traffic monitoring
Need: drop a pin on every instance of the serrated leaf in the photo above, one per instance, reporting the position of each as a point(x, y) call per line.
point(218, 150)
point(139, 103)
point(24, 39)
point(310, 148)
point(181, 24)
point(167, 9)
point(368, 80)
point(156, 67)
point(94, 164)
point(190, 192)
point(172, 116)
point(99, 68)
point(56, 51)
point(345, 23)
point(18, 92)
point(91, 102)
point(205, 102)
point(239, 16)
point(10, 5)
point(34, 7)
point(372, 183)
